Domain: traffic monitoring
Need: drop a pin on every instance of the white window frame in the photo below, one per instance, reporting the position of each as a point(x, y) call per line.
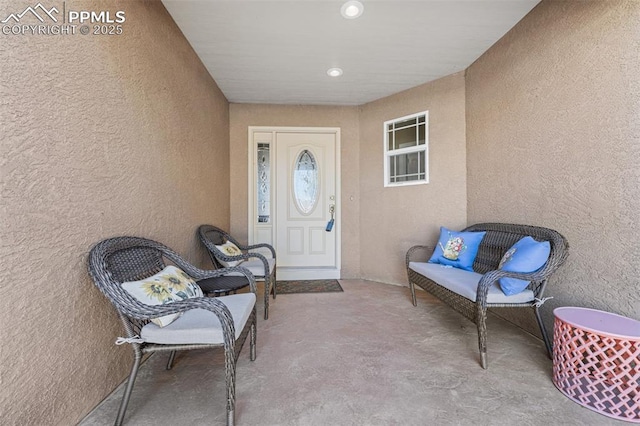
point(400, 151)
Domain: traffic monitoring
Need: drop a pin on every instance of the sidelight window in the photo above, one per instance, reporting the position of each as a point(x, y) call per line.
point(264, 183)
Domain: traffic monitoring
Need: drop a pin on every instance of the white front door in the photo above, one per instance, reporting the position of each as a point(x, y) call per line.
point(294, 184)
point(306, 197)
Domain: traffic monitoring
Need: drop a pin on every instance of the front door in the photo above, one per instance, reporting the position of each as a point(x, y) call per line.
point(305, 204)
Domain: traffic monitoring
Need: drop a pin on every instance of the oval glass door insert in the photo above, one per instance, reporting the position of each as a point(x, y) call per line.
point(306, 182)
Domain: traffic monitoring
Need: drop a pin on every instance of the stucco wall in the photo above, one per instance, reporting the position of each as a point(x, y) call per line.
point(101, 136)
point(346, 118)
point(394, 219)
point(553, 125)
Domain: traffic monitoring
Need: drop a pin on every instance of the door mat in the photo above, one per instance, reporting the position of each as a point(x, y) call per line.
point(308, 286)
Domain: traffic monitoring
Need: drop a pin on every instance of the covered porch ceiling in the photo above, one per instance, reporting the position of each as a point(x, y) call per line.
point(279, 51)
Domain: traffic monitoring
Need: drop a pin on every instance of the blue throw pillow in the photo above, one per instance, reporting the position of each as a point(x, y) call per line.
point(527, 255)
point(457, 249)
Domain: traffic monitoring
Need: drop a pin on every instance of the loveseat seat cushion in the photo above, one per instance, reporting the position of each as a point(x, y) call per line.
point(465, 283)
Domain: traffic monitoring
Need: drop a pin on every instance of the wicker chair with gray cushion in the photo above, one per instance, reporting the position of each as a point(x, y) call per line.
point(205, 322)
point(260, 266)
point(499, 238)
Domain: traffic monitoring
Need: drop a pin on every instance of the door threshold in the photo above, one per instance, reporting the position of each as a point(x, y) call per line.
point(310, 273)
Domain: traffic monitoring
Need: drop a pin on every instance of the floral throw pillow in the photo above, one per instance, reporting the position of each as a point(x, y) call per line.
point(229, 249)
point(457, 249)
point(169, 285)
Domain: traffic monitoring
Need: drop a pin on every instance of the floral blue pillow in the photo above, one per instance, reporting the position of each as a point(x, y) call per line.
point(527, 255)
point(457, 249)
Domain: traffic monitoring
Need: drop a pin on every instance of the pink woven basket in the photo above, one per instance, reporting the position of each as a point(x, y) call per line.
point(596, 361)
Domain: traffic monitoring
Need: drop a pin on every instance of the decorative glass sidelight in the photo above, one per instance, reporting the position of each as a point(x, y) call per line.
point(306, 182)
point(264, 183)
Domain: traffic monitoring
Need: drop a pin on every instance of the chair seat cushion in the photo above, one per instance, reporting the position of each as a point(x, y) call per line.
point(465, 283)
point(257, 267)
point(200, 326)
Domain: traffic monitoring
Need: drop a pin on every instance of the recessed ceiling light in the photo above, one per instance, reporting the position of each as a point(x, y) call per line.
point(352, 9)
point(334, 72)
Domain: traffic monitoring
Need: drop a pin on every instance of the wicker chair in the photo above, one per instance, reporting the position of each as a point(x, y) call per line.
point(259, 265)
point(116, 260)
point(498, 239)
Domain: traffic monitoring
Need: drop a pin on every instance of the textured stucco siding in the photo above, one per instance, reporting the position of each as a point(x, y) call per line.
point(129, 134)
point(553, 139)
point(100, 136)
point(396, 218)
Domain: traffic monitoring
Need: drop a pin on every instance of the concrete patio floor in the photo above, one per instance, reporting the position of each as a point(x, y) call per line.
point(363, 357)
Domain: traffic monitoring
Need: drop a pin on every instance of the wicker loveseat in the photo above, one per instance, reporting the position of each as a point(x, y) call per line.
point(474, 302)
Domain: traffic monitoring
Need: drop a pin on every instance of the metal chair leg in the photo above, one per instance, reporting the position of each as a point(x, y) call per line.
point(267, 290)
point(172, 357)
point(230, 366)
point(543, 331)
point(273, 278)
point(252, 342)
point(483, 359)
point(413, 293)
point(127, 391)
point(482, 336)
